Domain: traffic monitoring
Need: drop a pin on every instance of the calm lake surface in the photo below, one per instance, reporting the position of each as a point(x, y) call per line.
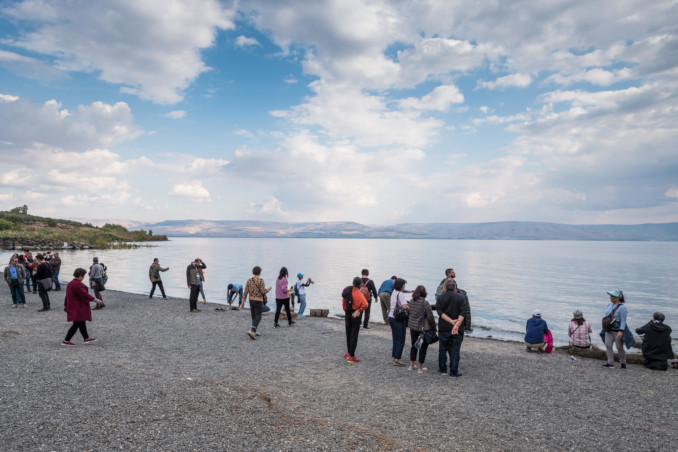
point(505, 280)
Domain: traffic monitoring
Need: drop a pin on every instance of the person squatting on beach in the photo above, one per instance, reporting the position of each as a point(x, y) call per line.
point(256, 289)
point(43, 278)
point(354, 305)
point(15, 274)
point(616, 332)
point(193, 279)
point(535, 329)
point(76, 307)
point(579, 331)
point(156, 280)
point(421, 320)
point(233, 289)
point(398, 321)
point(385, 291)
point(300, 288)
point(656, 343)
point(452, 310)
point(282, 298)
point(96, 281)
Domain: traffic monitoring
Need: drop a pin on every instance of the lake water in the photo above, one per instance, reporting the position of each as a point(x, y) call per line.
point(505, 280)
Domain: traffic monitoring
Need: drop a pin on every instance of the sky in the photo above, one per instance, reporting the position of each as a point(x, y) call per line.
point(380, 112)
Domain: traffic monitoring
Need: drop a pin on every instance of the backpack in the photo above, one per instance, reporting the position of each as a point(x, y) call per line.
point(548, 339)
point(365, 291)
point(296, 290)
point(347, 297)
point(440, 289)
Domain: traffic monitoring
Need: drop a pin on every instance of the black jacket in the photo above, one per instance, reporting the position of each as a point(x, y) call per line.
point(43, 271)
point(453, 304)
point(656, 342)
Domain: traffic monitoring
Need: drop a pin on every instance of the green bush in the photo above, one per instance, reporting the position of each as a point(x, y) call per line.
point(6, 225)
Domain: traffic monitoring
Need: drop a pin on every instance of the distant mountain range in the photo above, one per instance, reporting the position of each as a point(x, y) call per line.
point(504, 230)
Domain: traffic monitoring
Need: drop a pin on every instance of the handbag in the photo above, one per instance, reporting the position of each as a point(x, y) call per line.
point(400, 313)
point(430, 336)
point(608, 320)
point(46, 283)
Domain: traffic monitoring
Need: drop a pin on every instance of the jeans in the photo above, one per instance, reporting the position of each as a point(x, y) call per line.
point(162, 289)
point(279, 303)
point(256, 308)
point(193, 298)
point(28, 280)
point(79, 325)
point(449, 345)
point(398, 330)
point(55, 276)
point(202, 292)
point(17, 290)
point(231, 296)
point(352, 330)
point(414, 335)
point(302, 303)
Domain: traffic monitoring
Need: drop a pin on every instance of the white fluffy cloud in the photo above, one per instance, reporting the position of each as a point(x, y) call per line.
point(157, 43)
point(193, 191)
point(176, 114)
point(244, 41)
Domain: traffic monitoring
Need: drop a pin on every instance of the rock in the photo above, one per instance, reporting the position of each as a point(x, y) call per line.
point(319, 312)
point(596, 353)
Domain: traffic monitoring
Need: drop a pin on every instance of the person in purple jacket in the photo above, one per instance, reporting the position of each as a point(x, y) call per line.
point(282, 297)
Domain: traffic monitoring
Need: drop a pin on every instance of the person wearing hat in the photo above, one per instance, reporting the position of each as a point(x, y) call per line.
point(656, 342)
point(535, 329)
point(618, 312)
point(579, 331)
point(300, 289)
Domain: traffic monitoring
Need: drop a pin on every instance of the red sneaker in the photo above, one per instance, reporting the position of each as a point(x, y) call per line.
point(68, 343)
point(354, 359)
point(89, 340)
point(347, 356)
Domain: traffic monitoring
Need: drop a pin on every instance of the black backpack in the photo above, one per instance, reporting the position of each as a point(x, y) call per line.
point(347, 298)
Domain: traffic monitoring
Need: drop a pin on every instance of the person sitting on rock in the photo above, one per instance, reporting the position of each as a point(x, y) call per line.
point(656, 342)
point(535, 329)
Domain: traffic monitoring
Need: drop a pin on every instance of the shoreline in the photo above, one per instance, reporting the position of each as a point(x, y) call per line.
point(160, 377)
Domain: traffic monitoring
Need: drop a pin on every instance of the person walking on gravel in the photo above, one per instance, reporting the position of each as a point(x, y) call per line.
point(154, 276)
point(76, 307)
point(282, 298)
point(256, 289)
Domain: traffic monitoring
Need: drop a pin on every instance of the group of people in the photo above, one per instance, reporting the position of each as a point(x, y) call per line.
point(454, 318)
point(615, 332)
point(43, 272)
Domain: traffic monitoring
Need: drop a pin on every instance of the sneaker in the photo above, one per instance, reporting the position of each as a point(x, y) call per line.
point(68, 343)
point(164, 298)
point(44, 309)
point(277, 325)
point(192, 310)
point(256, 333)
point(608, 365)
point(89, 340)
point(301, 315)
point(354, 359)
point(350, 360)
point(250, 333)
point(442, 371)
point(366, 328)
point(410, 367)
point(422, 370)
point(292, 323)
point(347, 356)
point(15, 305)
point(23, 305)
point(623, 366)
point(458, 374)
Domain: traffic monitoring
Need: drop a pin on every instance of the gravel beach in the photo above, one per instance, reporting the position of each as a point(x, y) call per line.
point(161, 378)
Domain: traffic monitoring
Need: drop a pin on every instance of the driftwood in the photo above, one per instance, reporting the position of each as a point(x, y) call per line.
point(283, 315)
point(596, 353)
point(319, 312)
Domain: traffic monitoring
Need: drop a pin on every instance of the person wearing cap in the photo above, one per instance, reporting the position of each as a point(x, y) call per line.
point(656, 342)
point(579, 331)
point(615, 335)
point(300, 287)
point(535, 329)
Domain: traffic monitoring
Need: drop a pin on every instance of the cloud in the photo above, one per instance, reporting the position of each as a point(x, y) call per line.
point(672, 192)
point(193, 191)
point(157, 48)
point(8, 98)
point(244, 41)
point(291, 80)
point(439, 99)
point(244, 133)
point(517, 80)
point(176, 114)
point(4, 197)
point(24, 66)
point(16, 178)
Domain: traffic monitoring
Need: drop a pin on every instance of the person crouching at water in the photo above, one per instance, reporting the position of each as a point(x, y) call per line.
point(76, 307)
point(579, 331)
point(535, 329)
point(233, 289)
point(355, 305)
point(282, 298)
point(421, 320)
point(256, 289)
point(656, 343)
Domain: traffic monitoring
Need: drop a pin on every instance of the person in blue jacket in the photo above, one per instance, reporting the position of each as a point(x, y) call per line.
point(535, 329)
point(618, 329)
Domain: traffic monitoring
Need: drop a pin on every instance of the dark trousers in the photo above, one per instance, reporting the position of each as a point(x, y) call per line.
point(193, 298)
point(17, 290)
point(95, 286)
point(366, 313)
point(414, 335)
point(79, 325)
point(352, 331)
point(449, 345)
point(279, 303)
point(43, 296)
point(256, 308)
point(55, 277)
point(398, 330)
point(35, 284)
point(162, 289)
point(28, 280)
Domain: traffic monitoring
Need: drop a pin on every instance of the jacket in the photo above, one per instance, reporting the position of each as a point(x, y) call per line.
point(656, 341)
point(96, 271)
point(281, 290)
point(414, 322)
point(154, 272)
point(620, 314)
point(77, 302)
point(453, 304)
point(56, 264)
point(535, 329)
point(359, 303)
point(627, 337)
point(43, 271)
point(256, 288)
point(193, 275)
point(20, 274)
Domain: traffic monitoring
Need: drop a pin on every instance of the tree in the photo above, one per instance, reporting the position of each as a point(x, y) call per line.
point(22, 210)
point(150, 232)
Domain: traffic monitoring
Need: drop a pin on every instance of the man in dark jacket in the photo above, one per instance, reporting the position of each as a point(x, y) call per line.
point(452, 311)
point(43, 272)
point(372, 292)
point(656, 342)
point(193, 280)
point(56, 267)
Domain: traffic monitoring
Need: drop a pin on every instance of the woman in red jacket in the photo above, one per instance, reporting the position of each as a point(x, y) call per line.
point(76, 306)
point(353, 315)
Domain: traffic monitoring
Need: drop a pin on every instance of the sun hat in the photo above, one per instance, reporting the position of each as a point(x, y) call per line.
point(615, 293)
point(578, 314)
point(536, 313)
point(300, 275)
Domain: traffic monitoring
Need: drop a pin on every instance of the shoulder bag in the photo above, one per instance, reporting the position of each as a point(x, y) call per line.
point(400, 313)
point(608, 320)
